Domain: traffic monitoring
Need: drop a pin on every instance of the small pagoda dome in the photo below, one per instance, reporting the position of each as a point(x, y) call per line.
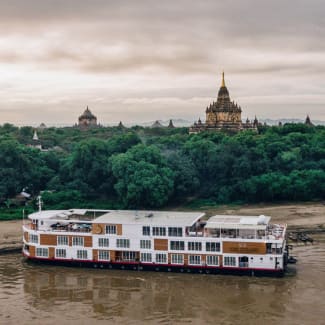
point(157, 124)
point(35, 136)
point(120, 125)
point(171, 125)
point(308, 121)
point(87, 119)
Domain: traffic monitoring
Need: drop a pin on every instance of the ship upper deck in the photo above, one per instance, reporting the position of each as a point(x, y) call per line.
point(194, 223)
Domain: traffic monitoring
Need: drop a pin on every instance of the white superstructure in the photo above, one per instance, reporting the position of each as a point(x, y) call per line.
point(157, 240)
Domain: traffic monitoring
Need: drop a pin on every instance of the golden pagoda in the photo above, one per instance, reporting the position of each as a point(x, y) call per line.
point(223, 114)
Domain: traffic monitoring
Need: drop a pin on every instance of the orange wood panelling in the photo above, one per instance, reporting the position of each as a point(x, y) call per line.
point(119, 230)
point(95, 254)
point(48, 240)
point(32, 251)
point(203, 258)
point(112, 255)
point(244, 248)
point(98, 229)
point(161, 244)
point(26, 237)
point(186, 259)
point(169, 258)
point(51, 252)
point(88, 240)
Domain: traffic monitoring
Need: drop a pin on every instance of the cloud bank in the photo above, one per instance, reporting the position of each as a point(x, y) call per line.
point(145, 60)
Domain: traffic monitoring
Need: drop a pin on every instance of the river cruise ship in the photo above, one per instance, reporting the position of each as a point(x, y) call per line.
point(169, 241)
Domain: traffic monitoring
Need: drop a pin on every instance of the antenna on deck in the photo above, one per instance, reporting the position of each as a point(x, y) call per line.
point(39, 203)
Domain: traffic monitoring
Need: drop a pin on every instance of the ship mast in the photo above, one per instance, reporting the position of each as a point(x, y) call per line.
point(39, 203)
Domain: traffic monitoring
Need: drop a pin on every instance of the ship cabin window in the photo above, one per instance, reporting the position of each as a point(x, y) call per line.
point(77, 241)
point(103, 242)
point(62, 240)
point(111, 229)
point(161, 258)
point(177, 259)
point(81, 254)
point(145, 244)
point(146, 230)
point(212, 260)
point(145, 257)
point(33, 239)
point(212, 247)
point(177, 245)
point(123, 243)
point(175, 232)
point(42, 252)
point(243, 261)
point(103, 255)
point(194, 246)
point(229, 261)
point(60, 253)
point(194, 260)
point(158, 231)
point(129, 256)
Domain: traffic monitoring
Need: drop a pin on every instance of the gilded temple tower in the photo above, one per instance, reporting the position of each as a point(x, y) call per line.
point(222, 114)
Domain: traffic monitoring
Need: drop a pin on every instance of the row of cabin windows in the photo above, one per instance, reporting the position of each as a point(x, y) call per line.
point(144, 244)
point(82, 254)
point(194, 246)
point(161, 231)
point(144, 257)
point(102, 242)
point(211, 260)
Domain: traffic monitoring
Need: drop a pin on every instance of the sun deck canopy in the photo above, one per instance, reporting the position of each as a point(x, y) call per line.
point(238, 222)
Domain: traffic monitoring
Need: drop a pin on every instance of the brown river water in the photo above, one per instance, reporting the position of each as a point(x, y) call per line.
point(39, 294)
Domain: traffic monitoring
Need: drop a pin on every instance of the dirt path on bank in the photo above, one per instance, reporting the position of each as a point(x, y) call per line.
point(10, 235)
point(305, 216)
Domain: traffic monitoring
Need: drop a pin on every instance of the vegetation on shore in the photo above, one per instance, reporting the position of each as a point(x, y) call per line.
point(158, 168)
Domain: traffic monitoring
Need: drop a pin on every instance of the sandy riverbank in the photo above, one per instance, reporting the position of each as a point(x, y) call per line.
point(297, 216)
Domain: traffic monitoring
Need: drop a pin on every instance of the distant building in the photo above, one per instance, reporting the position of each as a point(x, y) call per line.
point(120, 125)
point(36, 143)
point(171, 125)
point(87, 119)
point(157, 124)
point(223, 114)
point(308, 121)
point(42, 126)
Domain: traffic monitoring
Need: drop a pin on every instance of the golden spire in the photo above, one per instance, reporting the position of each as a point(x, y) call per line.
point(223, 80)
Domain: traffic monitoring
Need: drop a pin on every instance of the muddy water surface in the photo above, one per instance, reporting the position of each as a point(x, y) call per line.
point(36, 294)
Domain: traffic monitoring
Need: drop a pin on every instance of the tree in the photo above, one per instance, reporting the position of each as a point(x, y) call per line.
point(142, 177)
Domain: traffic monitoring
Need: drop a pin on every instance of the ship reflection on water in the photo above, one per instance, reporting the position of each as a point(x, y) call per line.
point(107, 294)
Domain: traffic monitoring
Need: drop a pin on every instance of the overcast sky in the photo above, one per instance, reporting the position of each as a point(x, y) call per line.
point(139, 61)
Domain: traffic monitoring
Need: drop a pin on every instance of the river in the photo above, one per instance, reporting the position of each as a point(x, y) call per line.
point(39, 294)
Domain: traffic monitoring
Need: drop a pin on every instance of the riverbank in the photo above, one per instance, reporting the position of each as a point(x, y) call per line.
point(308, 217)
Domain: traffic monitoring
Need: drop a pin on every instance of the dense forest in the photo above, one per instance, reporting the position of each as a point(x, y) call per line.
point(154, 168)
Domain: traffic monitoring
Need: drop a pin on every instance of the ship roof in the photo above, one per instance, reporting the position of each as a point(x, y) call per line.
point(159, 218)
point(233, 221)
point(155, 218)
